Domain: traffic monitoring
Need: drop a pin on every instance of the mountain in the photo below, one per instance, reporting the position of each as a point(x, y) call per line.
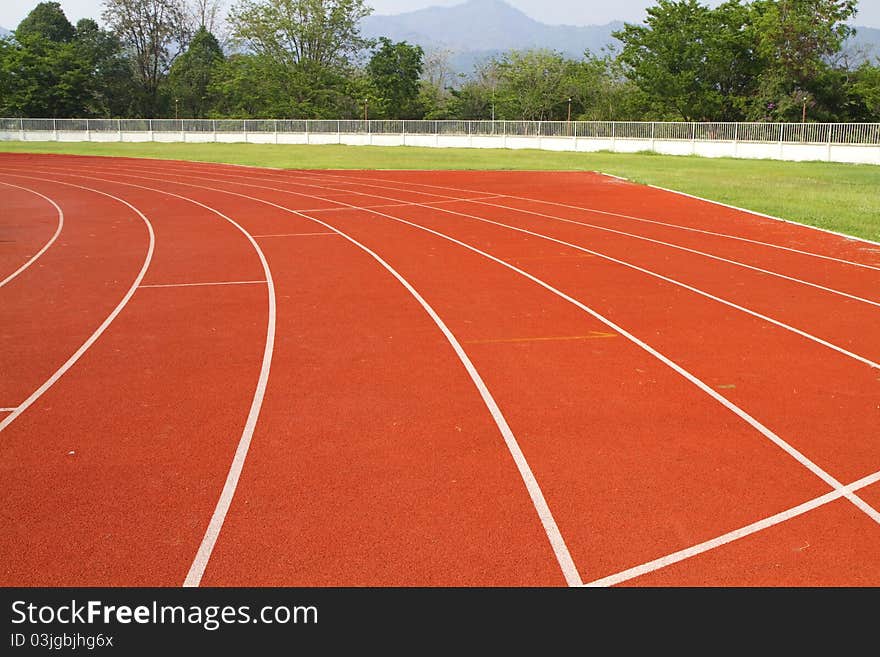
point(478, 29)
point(4, 33)
point(864, 44)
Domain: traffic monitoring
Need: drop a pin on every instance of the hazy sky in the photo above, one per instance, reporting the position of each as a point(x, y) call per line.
point(567, 12)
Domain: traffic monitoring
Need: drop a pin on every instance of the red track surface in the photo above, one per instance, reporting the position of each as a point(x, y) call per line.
point(424, 378)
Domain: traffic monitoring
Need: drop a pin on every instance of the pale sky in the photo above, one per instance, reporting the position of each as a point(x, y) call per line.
point(557, 12)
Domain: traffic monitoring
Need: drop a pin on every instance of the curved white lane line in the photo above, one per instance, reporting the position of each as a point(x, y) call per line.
point(36, 394)
point(679, 247)
point(551, 529)
point(649, 221)
point(687, 553)
point(46, 246)
point(757, 214)
point(357, 181)
point(782, 325)
point(754, 423)
point(206, 547)
point(839, 489)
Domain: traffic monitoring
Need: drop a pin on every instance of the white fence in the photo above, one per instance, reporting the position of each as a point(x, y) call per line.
point(832, 142)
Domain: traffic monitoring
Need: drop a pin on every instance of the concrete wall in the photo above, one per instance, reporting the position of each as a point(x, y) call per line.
point(790, 151)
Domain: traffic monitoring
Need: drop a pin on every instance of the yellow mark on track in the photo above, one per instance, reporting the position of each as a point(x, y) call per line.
point(729, 386)
point(593, 335)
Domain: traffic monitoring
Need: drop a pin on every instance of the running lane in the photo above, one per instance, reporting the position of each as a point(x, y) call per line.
point(51, 308)
point(713, 478)
point(622, 445)
point(29, 224)
point(375, 460)
point(110, 477)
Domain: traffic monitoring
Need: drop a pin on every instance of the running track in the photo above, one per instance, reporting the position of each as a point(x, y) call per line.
point(226, 376)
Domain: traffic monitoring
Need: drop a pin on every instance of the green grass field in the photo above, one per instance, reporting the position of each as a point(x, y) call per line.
point(839, 197)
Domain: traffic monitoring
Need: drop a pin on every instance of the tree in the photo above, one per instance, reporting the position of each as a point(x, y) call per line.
point(866, 87)
point(46, 21)
point(211, 15)
point(55, 70)
point(435, 83)
point(109, 89)
point(321, 33)
point(154, 32)
point(312, 46)
point(697, 62)
point(394, 71)
point(795, 39)
point(530, 85)
point(190, 77)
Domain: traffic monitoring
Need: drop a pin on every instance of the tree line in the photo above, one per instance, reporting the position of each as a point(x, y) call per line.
point(758, 60)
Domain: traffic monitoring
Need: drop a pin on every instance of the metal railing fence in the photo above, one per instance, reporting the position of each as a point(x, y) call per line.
point(803, 133)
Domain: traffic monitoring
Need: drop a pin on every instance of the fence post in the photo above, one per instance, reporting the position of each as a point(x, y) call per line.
point(653, 149)
point(781, 135)
point(828, 147)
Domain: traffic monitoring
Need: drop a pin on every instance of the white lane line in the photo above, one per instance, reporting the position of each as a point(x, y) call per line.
point(209, 540)
point(634, 218)
point(204, 284)
point(36, 394)
point(643, 238)
point(402, 204)
point(551, 529)
point(683, 248)
point(761, 316)
point(569, 221)
point(8, 409)
point(681, 555)
point(46, 246)
point(761, 214)
point(742, 414)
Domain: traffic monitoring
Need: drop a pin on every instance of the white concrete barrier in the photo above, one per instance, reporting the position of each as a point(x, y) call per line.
point(849, 143)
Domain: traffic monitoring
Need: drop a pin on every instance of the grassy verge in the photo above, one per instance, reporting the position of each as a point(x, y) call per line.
point(839, 197)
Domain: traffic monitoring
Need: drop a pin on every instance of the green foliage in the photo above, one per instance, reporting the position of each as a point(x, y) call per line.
point(755, 60)
point(306, 52)
point(393, 72)
point(794, 39)
point(153, 32)
point(191, 76)
point(110, 85)
point(530, 85)
point(50, 71)
point(697, 63)
point(322, 33)
point(45, 21)
point(866, 88)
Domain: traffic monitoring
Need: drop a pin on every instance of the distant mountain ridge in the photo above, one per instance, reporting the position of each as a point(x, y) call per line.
point(4, 32)
point(477, 30)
